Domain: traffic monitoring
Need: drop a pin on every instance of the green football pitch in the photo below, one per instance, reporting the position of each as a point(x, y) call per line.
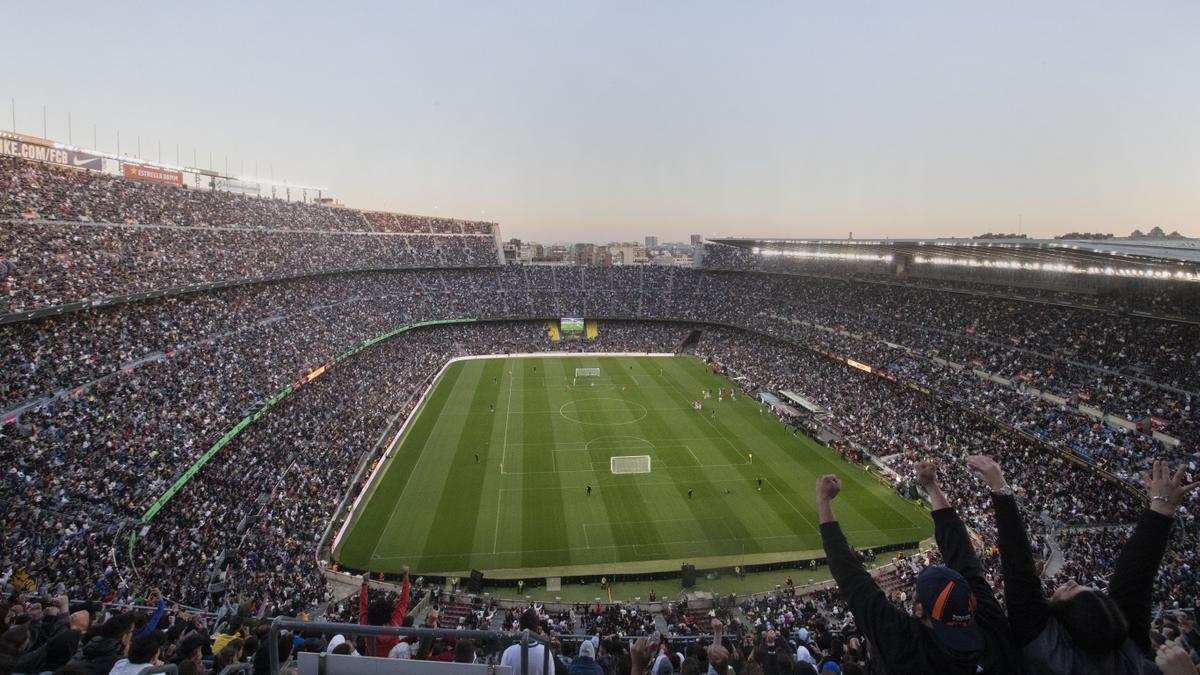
point(543, 435)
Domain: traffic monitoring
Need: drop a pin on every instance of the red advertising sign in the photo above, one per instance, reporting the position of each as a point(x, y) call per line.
point(152, 174)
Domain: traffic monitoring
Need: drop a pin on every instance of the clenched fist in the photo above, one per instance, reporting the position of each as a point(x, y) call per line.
point(828, 487)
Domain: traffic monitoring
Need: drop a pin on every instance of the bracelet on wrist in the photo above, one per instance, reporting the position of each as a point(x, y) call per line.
point(1003, 490)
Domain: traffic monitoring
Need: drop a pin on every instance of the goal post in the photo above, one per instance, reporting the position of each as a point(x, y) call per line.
point(629, 464)
point(587, 372)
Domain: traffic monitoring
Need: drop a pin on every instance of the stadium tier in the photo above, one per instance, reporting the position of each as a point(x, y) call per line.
point(218, 396)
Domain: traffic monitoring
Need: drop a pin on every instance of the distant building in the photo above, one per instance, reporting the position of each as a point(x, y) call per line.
point(697, 239)
point(651, 241)
point(591, 254)
point(557, 253)
point(525, 252)
point(627, 254)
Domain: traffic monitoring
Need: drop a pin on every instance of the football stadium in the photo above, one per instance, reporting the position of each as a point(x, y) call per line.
point(575, 345)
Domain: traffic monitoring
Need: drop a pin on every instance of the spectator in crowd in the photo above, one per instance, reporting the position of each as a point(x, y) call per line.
point(189, 656)
point(13, 643)
point(231, 632)
point(143, 653)
point(961, 628)
point(1081, 629)
point(536, 657)
point(383, 613)
point(107, 644)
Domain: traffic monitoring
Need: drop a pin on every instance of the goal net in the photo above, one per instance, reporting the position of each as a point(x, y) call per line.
point(587, 372)
point(630, 464)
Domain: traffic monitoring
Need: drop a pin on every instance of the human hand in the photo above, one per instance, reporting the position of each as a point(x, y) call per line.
point(640, 653)
point(989, 469)
point(644, 648)
point(926, 473)
point(1172, 659)
point(718, 658)
point(828, 487)
point(1166, 491)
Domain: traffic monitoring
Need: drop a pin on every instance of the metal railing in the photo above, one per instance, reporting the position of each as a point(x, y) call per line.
point(526, 638)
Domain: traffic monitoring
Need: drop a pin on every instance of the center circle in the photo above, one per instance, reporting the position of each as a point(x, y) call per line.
point(603, 411)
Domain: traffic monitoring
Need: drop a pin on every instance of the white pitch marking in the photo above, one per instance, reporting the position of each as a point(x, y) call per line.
point(789, 503)
point(507, 414)
point(496, 532)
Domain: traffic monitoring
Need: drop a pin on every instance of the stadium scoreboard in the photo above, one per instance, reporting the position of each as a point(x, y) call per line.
point(571, 324)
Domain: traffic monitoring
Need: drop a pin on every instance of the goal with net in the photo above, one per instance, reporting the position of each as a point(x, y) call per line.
point(630, 464)
point(585, 372)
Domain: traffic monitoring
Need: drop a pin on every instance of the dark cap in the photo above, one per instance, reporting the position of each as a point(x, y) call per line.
point(949, 604)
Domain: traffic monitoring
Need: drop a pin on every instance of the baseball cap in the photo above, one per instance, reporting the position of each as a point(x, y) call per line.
point(949, 604)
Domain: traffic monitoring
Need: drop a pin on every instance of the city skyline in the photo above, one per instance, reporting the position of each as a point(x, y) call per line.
point(610, 123)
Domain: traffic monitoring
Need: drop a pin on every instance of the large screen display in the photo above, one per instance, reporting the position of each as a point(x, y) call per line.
point(570, 325)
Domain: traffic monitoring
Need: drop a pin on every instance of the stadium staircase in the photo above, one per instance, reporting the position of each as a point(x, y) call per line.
point(660, 623)
point(689, 343)
point(701, 620)
point(451, 614)
point(890, 582)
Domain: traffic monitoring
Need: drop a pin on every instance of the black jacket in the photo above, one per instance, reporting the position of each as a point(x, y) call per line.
point(100, 654)
point(1044, 643)
point(900, 642)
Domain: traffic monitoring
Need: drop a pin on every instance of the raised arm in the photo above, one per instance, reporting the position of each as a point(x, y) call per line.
point(951, 534)
point(888, 628)
point(1132, 582)
point(160, 608)
point(1027, 607)
point(955, 544)
point(401, 606)
point(363, 598)
point(927, 477)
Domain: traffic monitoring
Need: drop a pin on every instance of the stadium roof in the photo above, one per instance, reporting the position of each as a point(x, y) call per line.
point(1142, 257)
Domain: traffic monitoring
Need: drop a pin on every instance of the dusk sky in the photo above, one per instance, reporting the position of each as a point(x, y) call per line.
point(613, 120)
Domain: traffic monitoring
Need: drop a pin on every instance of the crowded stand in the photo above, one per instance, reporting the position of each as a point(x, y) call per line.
point(46, 265)
point(33, 190)
point(105, 407)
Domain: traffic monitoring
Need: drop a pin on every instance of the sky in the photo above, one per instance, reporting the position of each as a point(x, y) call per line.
point(576, 121)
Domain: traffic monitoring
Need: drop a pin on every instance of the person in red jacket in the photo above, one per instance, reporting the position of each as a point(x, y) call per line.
point(382, 613)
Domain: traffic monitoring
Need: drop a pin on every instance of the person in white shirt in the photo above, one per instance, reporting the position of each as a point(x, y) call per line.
point(536, 653)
